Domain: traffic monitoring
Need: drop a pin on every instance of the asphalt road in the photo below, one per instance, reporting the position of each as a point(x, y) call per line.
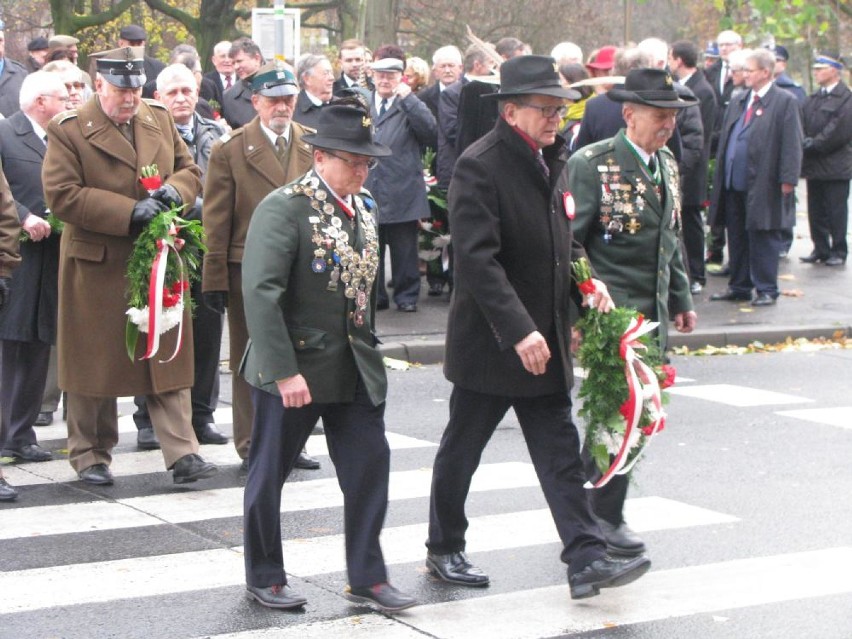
point(743, 502)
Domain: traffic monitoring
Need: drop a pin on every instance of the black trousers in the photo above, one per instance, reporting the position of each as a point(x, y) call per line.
point(554, 448)
point(206, 343)
point(693, 242)
point(752, 255)
point(401, 238)
point(24, 372)
point(359, 450)
point(828, 217)
point(607, 502)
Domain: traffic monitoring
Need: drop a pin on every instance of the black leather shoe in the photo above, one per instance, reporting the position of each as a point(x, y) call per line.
point(306, 462)
point(282, 597)
point(382, 305)
point(606, 572)
point(763, 299)
point(407, 307)
point(7, 492)
point(695, 288)
point(813, 258)
point(436, 289)
point(455, 568)
point(44, 419)
point(382, 596)
point(98, 475)
point(835, 261)
point(146, 439)
point(730, 296)
point(190, 468)
point(209, 434)
point(621, 540)
point(30, 453)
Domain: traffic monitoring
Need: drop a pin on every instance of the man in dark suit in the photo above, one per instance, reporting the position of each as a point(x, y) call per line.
point(237, 108)
point(627, 196)
point(446, 69)
point(827, 164)
point(784, 81)
point(222, 76)
point(757, 169)
point(508, 333)
point(405, 125)
point(37, 49)
point(352, 61)
point(132, 35)
point(683, 62)
point(245, 166)
point(10, 230)
point(12, 74)
point(316, 79)
point(28, 320)
point(310, 264)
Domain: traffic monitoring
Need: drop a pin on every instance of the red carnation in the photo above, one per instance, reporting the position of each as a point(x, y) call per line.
point(668, 375)
point(151, 183)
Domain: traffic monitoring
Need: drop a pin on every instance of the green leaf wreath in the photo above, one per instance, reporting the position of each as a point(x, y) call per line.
point(605, 391)
point(188, 236)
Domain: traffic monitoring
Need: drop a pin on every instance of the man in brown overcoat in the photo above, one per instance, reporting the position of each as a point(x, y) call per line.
point(91, 182)
point(244, 167)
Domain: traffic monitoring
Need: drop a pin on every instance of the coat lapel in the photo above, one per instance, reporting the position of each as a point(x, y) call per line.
point(24, 129)
point(633, 175)
point(261, 156)
point(102, 134)
point(148, 139)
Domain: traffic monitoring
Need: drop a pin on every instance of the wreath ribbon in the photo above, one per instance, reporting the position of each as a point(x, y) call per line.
point(641, 383)
point(155, 295)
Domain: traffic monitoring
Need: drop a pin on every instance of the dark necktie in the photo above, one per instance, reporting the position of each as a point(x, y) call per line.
point(823, 92)
point(539, 158)
point(281, 148)
point(750, 112)
point(383, 108)
point(652, 166)
point(185, 132)
point(228, 82)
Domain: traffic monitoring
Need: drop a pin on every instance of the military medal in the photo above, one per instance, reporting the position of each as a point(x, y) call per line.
point(318, 265)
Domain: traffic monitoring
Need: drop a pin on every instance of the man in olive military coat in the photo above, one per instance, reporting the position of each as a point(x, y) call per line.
point(627, 203)
point(244, 167)
point(309, 274)
point(91, 181)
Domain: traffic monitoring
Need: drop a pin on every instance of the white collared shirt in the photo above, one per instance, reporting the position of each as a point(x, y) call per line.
point(273, 136)
point(313, 98)
point(39, 130)
point(379, 99)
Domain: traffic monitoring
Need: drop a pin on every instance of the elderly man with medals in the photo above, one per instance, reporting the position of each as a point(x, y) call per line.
point(626, 210)
point(309, 273)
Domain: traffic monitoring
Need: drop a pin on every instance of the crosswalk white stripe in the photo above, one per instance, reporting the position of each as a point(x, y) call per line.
point(735, 395)
point(144, 462)
point(840, 416)
point(200, 570)
point(186, 506)
point(372, 626)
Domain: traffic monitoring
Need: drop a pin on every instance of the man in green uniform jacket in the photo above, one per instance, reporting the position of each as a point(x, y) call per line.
point(626, 201)
point(309, 270)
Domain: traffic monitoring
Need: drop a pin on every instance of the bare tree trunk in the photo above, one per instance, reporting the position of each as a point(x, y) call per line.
point(382, 21)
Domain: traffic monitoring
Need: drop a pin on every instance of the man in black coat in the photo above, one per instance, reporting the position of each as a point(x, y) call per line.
point(12, 74)
point(683, 62)
point(352, 60)
point(222, 76)
point(237, 108)
point(446, 69)
point(132, 35)
point(28, 321)
point(757, 168)
point(508, 334)
point(827, 164)
point(316, 79)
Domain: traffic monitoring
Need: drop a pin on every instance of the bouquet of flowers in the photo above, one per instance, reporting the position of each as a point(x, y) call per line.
point(622, 393)
point(165, 260)
point(56, 227)
point(433, 237)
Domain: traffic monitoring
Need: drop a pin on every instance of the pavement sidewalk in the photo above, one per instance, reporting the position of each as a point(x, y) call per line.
point(816, 301)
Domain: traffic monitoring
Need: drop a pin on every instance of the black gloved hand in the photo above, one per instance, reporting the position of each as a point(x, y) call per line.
point(4, 290)
point(193, 212)
point(168, 195)
point(145, 210)
point(216, 301)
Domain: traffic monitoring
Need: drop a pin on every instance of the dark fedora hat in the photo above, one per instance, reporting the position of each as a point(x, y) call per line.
point(342, 127)
point(531, 75)
point(651, 87)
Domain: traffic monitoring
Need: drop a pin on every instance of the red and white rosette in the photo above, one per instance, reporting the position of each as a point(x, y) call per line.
point(643, 391)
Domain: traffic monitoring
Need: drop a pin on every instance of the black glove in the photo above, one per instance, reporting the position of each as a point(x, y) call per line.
point(168, 195)
point(216, 301)
point(145, 210)
point(4, 290)
point(193, 212)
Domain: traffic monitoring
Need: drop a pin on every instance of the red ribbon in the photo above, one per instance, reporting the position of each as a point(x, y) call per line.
point(156, 282)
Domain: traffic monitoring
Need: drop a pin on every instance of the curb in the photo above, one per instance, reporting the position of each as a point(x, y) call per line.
point(431, 351)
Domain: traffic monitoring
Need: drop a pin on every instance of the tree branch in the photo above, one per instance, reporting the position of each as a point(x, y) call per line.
point(186, 19)
point(81, 22)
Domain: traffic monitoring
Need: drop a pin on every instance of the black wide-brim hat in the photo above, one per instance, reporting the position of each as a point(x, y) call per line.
point(531, 75)
point(651, 87)
point(346, 128)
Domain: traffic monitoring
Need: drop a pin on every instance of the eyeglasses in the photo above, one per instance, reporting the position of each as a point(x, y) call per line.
point(63, 98)
point(72, 86)
point(370, 163)
point(548, 111)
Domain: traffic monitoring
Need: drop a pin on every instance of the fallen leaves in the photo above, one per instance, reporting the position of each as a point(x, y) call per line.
point(839, 341)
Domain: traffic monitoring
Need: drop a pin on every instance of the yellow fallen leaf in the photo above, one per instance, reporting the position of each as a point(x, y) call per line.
point(396, 364)
point(793, 292)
